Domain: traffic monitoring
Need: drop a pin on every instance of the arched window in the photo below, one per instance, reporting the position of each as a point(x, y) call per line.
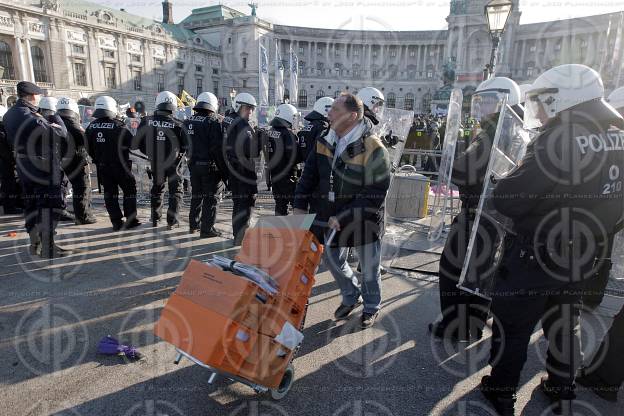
point(426, 103)
point(6, 61)
point(337, 94)
point(39, 66)
point(409, 102)
point(303, 98)
point(11, 100)
point(286, 94)
point(320, 94)
point(391, 100)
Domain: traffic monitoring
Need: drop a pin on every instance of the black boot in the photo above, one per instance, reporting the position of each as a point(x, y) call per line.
point(503, 401)
point(35, 242)
point(49, 250)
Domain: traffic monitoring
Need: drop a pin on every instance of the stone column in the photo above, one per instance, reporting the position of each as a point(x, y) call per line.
point(24, 73)
point(95, 58)
point(148, 77)
point(29, 61)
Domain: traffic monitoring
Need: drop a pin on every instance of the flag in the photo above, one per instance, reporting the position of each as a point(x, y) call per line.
point(617, 52)
point(186, 99)
point(264, 77)
point(294, 82)
point(279, 76)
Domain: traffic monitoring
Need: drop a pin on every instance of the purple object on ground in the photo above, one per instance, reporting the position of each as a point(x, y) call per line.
point(110, 346)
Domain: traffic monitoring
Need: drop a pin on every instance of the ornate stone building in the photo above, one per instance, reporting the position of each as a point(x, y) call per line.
point(84, 49)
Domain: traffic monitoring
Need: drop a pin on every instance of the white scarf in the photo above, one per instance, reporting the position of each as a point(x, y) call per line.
point(341, 144)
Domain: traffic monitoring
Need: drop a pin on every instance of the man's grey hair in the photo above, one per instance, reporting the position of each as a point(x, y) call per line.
point(354, 104)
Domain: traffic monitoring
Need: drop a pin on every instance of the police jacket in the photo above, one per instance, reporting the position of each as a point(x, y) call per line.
point(573, 172)
point(242, 146)
point(359, 179)
point(282, 152)
point(162, 138)
point(37, 141)
point(316, 126)
point(205, 137)
point(7, 160)
point(75, 148)
point(109, 142)
point(470, 166)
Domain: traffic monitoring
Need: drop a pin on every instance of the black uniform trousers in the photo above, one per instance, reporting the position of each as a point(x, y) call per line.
point(461, 311)
point(206, 186)
point(113, 177)
point(244, 199)
point(77, 172)
point(284, 195)
point(172, 178)
point(517, 310)
point(608, 364)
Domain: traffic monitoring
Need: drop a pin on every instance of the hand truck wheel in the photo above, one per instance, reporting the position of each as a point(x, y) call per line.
point(284, 387)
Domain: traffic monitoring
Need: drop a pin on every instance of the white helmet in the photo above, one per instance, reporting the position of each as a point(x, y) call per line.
point(616, 99)
point(167, 101)
point(207, 101)
point(560, 89)
point(48, 103)
point(244, 99)
point(523, 90)
point(66, 103)
point(322, 105)
point(488, 97)
point(372, 98)
point(3, 111)
point(105, 106)
point(288, 113)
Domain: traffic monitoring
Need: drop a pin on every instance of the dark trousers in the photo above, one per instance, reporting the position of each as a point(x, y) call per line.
point(608, 364)
point(10, 190)
point(42, 208)
point(112, 178)
point(460, 309)
point(595, 288)
point(284, 195)
point(78, 174)
point(206, 186)
point(174, 183)
point(516, 313)
point(244, 199)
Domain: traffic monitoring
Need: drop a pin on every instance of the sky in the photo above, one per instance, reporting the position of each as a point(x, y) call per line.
point(367, 14)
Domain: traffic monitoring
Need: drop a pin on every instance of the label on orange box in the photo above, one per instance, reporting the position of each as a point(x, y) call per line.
point(221, 291)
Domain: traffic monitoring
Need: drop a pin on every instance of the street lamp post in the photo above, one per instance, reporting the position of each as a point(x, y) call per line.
point(497, 13)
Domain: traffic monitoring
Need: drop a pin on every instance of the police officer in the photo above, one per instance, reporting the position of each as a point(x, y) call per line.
point(463, 314)
point(206, 164)
point(316, 125)
point(163, 139)
point(76, 164)
point(109, 142)
point(573, 173)
point(282, 157)
point(241, 148)
point(10, 192)
point(38, 143)
point(47, 108)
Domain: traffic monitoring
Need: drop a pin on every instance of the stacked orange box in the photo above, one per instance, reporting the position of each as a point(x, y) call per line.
point(228, 322)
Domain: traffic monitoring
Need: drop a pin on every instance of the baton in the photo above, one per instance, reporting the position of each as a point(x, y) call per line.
point(329, 240)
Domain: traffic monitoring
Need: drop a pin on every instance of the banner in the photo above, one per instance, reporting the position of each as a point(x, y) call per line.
point(187, 99)
point(279, 76)
point(263, 77)
point(294, 82)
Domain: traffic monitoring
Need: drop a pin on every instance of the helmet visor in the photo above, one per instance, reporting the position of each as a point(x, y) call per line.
point(486, 103)
point(536, 108)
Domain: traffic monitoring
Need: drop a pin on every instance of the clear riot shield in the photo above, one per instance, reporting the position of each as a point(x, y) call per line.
point(406, 246)
point(490, 227)
point(86, 115)
point(397, 123)
point(443, 190)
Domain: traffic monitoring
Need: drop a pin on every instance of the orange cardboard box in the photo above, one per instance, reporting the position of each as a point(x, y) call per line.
point(222, 343)
point(279, 249)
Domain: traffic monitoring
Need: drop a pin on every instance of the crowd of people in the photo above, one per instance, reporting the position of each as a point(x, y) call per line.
point(337, 168)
